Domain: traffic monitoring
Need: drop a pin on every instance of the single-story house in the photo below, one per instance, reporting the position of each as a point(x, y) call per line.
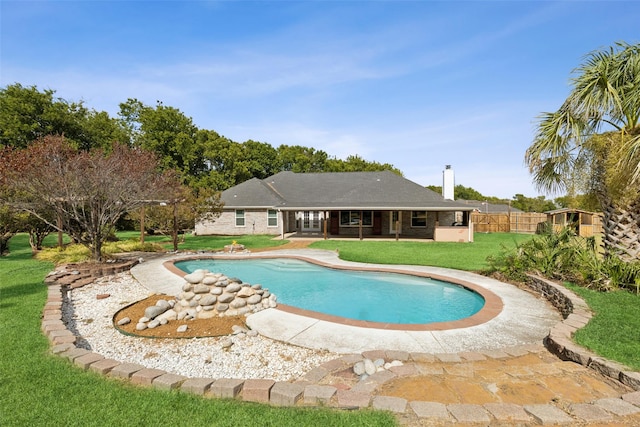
point(356, 204)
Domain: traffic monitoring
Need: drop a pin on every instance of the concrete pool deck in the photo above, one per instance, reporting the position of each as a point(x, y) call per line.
point(524, 319)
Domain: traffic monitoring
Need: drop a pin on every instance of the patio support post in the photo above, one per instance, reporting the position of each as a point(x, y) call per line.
point(360, 226)
point(397, 231)
point(324, 223)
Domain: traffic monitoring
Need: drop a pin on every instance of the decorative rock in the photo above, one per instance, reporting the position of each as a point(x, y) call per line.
point(163, 321)
point(222, 283)
point(237, 329)
point(141, 326)
point(226, 343)
point(233, 287)
point(188, 295)
point(168, 315)
point(216, 291)
point(238, 303)
point(154, 311)
point(209, 280)
point(200, 289)
point(143, 320)
point(358, 368)
point(254, 299)
point(186, 287)
point(208, 300)
point(163, 303)
point(244, 310)
point(182, 328)
point(252, 333)
point(222, 307)
point(369, 367)
point(378, 363)
point(256, 287)
point(124, 321)
point(226, 297)
point(245, 292)
point(153, 324)
point(195, 277)
point(103, 296)
point(235, 279)
point(392, 364)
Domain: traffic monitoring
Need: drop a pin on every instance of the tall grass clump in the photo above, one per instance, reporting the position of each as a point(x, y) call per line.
point(563, 256)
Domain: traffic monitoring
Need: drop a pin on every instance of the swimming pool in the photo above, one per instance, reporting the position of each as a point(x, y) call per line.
point(360, 295)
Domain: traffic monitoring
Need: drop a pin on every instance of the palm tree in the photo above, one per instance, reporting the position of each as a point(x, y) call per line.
point(593, 141)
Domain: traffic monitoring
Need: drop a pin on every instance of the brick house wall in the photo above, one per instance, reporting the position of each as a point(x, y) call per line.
point(255, 222)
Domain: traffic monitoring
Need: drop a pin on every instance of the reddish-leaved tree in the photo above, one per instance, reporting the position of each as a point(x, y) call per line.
point(88, 190)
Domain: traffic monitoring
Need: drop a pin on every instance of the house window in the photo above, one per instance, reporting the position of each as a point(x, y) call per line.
point(419, 218)
point(352, 218)
point(239, 217)
point(272, 218)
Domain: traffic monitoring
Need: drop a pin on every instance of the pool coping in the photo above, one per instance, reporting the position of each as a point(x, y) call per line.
point(492, 303)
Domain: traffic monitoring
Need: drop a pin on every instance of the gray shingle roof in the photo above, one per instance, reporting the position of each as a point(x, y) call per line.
point(336, 191)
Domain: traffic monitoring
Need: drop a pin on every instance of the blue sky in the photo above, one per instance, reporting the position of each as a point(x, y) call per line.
point(418, 84)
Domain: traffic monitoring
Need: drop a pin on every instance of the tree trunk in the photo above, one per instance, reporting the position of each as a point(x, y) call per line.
point(4, 242)
point(622, 232)
point(96, 250)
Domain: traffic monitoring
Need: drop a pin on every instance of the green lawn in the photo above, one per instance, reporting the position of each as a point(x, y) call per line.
point(461, 256)
point(39, 389)
point(614, 331)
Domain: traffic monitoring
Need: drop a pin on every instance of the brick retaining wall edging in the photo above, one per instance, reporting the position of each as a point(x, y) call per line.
point(307, 390)
point(576, 314)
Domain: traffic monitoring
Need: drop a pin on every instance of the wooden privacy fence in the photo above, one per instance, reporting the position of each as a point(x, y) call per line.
point(516, 222)
point(528, 222)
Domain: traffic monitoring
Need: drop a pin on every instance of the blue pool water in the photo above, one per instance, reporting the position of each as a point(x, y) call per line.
point(371, 296)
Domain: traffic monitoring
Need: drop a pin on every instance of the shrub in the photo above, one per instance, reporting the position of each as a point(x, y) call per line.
point(80, 253)
point(561, 255)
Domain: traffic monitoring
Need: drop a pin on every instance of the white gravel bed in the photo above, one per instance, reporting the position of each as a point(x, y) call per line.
point(249, 357)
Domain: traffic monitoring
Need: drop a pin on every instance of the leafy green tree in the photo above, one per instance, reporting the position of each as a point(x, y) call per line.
point(532, 204)
point(225, 161)
point(165, 131)
point(593, 138)
point(467, 193)
point(296, 158)
point(261, 158)
point(27, 114)
point(355, 163)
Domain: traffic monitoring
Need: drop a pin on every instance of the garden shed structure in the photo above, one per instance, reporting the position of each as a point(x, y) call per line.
point(585, 223)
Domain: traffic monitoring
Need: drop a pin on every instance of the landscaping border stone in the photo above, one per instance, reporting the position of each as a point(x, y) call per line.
point(308, 390)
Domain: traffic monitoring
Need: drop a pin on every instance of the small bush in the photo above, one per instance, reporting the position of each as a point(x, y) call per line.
point(80, 253)
point(66, 254)
point(564, 256)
